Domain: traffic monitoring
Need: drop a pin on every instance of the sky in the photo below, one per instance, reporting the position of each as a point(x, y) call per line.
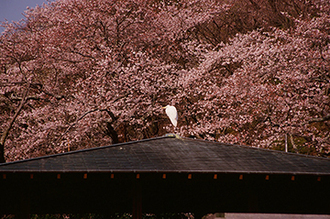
point(12, 9)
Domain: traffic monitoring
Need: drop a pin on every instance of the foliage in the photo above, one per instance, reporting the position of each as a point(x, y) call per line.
point(91, 73)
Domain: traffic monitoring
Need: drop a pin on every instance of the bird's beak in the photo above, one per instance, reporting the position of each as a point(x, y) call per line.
point(164, 107)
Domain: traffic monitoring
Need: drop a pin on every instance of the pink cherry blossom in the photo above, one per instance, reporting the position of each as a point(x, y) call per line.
point(92, 73)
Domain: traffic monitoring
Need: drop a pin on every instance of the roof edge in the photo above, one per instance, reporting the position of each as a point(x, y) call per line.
point(178, 172)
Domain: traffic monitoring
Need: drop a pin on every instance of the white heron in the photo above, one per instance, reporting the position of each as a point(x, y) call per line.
point(172, 114)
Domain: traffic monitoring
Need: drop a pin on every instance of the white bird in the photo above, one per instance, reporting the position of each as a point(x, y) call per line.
point(172, 114)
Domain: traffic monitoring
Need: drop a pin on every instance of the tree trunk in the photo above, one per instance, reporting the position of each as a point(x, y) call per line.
point(2, 153)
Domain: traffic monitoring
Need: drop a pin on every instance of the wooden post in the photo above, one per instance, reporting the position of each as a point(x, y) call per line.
point(137, 200)
point(24, 206)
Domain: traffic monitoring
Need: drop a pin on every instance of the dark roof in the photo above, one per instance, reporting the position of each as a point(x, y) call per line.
point(168, 154)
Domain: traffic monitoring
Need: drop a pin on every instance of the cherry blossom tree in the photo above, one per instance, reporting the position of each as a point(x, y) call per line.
point(78, 74)
point(263, 85)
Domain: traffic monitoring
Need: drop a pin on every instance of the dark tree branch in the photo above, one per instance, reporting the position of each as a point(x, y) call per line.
point(6, 132)
point(112, 116)
point(77, 120)
point(13, 98)
point(58, 97)
point(323, 119)
point(85, 114)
